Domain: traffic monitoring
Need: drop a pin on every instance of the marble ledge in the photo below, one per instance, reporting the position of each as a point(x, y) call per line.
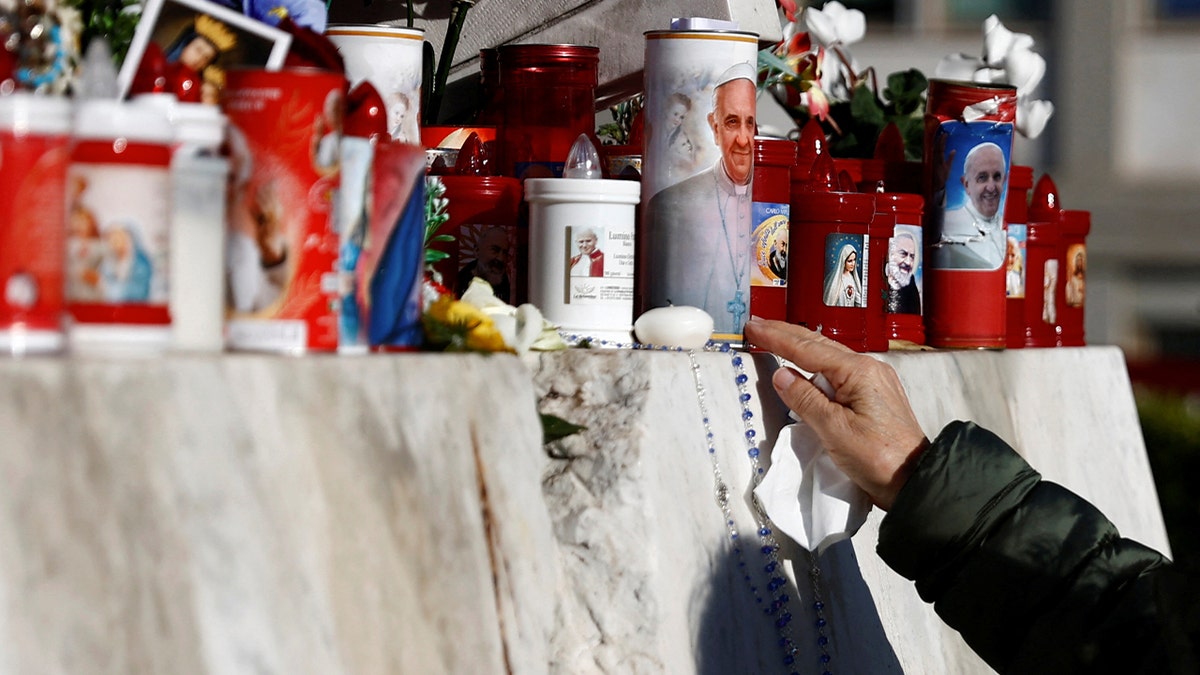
point(400, 514)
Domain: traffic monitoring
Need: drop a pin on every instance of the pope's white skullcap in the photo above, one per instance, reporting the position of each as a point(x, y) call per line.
point(738, 71)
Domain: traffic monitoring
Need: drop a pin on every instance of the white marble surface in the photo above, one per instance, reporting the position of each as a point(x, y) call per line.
point(399, 514)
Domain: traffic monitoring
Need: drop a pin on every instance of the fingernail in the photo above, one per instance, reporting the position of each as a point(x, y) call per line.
point(784, 378)
point(754, 319)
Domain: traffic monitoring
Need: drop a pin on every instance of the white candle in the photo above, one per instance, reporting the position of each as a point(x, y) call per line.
point(198, 253)
point(581, 253)
point(684, 327)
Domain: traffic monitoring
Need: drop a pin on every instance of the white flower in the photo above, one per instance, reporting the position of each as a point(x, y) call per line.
point(1032, 116)
point(1008, 58)
point(1025, 69)
point(835, 25)
point(480, 294)
point(997, 41)
point(523, 328)
point(831, 29)
point(957, 67)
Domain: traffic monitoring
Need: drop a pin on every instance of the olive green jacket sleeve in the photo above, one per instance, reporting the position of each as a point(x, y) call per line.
point(1034, 577)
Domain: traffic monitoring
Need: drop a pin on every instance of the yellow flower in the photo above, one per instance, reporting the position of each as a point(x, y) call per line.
point(451, 312)
point(462, 326)
point(486, 338)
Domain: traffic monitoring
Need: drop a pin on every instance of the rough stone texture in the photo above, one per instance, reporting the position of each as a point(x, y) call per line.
point(251, 514)
point(399, 514)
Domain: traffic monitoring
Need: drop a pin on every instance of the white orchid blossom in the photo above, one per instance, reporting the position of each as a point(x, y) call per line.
point(1008, 58)
point(833, 28)
point(834, 25)
point(523, 328)
point(957, 67)
point(1032, 116)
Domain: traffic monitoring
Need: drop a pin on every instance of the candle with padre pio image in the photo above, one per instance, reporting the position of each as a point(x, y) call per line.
point(695, 243)
point(968, 144)
point(773, 159)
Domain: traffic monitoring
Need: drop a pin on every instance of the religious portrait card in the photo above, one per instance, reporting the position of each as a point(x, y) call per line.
point(204, 39)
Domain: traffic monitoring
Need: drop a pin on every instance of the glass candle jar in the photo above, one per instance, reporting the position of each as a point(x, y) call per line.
point(770, 211)
point(551, 93)
point(967, 164)
point(35, 139)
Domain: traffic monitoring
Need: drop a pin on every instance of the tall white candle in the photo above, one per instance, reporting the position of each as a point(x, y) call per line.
point(198, 252)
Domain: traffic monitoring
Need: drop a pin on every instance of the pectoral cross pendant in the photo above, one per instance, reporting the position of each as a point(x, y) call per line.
point(737, 307)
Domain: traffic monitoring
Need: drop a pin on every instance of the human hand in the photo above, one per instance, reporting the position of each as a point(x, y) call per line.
point(868, 427)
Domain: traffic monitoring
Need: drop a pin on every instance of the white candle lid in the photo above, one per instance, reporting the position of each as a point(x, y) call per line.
point(101, 119)
point(199, 124)
point(24, 112)
point(340, 30)
point(603, 191)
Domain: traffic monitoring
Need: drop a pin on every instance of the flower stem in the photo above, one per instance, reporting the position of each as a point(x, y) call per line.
point(458, 16)
point(846, 62)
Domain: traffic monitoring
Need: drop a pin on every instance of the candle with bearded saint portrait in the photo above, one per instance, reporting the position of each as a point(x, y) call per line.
point(903, 274)
point(968, 145)
point(695, 243)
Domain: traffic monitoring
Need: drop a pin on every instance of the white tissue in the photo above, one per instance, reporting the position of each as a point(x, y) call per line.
point(805, 494)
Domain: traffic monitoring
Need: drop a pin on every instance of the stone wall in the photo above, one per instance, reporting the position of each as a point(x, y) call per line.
point(400, 514)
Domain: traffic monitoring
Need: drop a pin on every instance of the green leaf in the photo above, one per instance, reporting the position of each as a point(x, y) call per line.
point(906, 90)
point(912, 129)
point(554, 428)
point(866, 108)
point(610, 130)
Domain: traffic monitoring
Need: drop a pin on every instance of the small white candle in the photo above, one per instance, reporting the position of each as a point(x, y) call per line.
point(684, 327)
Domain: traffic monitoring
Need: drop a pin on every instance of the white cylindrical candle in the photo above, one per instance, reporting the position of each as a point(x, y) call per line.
point(198, 253)
point(120, 185)
point(581, 254)
point(390, 59)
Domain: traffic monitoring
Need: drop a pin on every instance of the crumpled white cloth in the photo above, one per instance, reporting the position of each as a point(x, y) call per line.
point(977, 111)
point(805, 494)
